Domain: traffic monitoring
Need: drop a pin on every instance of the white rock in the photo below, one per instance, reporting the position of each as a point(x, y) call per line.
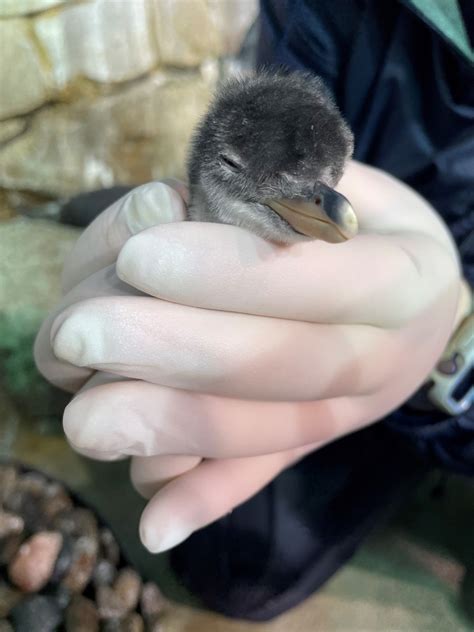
point(104, 40)
point(25, 82)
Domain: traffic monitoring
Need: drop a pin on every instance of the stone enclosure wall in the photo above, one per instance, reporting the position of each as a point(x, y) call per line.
point(96, 92)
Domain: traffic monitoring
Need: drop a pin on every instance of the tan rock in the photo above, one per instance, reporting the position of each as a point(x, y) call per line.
point(156, 119)
point(22, 7)
point(190, 31)
point(127, 587)
point(82, 615)
point(137, 134)
point(104, 41)
point(25, 81)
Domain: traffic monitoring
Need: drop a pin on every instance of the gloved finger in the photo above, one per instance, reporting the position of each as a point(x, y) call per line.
point(150, 473)
point(205, 494)
point(221, 353)
point(98, 246)
point(380, 279)
point(63, 374)
point(141, 419)
point(94, 452)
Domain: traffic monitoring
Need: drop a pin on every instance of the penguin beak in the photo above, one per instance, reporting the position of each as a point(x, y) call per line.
point(328, 215)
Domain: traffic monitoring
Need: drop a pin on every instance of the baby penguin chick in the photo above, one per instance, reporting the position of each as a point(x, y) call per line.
point(266, 157)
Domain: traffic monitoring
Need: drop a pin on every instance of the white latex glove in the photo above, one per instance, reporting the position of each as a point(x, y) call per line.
point(251, 355)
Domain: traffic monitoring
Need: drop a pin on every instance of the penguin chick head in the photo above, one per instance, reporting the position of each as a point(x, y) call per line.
point(264, 138)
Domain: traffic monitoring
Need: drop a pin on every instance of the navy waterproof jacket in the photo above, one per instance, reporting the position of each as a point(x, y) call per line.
point(402, 74)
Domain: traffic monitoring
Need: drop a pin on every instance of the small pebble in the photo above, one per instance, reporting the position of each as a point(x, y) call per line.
point(36, 614)
point(110, 548)
point(82, 565)
point(86, 524)
point(104, 573)
point(55, 500)
point(9, 597)
point(127, 586)
point(8, 478)
point(64, 522)
point(5, 626)
point(109, 603)
point(28, 506)
point(10, 524)
point(152, 601)
point(82, 615)
point(34, 562)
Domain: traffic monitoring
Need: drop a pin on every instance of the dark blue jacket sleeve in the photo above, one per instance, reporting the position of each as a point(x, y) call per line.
point(408, 95)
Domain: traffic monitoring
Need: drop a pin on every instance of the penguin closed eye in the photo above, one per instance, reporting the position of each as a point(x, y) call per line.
point(266, 157)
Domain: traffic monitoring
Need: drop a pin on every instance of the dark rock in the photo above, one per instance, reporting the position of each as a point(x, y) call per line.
point(64, 560)
point(32, 566)
point(9, 597)
point(109, 547)
point(61, 595)
point(82, 615)
point(84, 557)
point(26, 499)
point(127, 587)
point(104, 573)
point(36, 614)
point(9, 547)
point(27, 504)
point(55, 500)
point(64, 522)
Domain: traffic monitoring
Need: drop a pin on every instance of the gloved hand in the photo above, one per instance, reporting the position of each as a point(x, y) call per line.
point(216, 359)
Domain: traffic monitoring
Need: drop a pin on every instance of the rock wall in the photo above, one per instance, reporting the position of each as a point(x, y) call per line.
point(99, 92)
